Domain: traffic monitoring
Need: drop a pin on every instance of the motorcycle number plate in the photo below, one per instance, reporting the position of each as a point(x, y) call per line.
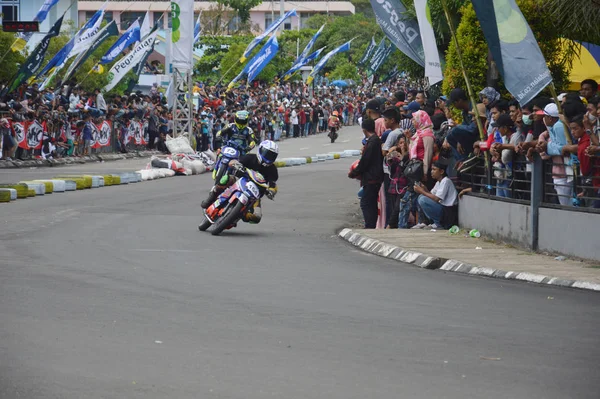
point(229, 152)
point(253, 189)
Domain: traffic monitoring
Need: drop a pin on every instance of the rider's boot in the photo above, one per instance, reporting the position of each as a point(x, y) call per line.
point(212, 197)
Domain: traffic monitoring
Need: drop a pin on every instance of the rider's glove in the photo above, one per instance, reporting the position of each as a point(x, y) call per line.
point(251, 145)
point(271, 193)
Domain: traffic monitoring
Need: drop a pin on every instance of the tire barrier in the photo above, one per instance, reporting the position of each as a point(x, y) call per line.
point(30, 192)
point(58, 186)
point(22, 189)
point(6, 194)
point(38, 188)
point(70, 185)
point(48, 184)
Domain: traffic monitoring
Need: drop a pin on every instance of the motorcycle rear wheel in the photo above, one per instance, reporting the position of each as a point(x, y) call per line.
point(228, 218)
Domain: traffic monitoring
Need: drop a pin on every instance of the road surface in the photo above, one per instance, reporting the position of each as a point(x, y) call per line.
point(114, 293)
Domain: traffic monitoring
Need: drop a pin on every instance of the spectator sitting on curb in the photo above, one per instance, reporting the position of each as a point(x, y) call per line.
point(370, 169)
point(439, 205)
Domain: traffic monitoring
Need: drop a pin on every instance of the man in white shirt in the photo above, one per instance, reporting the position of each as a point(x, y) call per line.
point(100, 102)
point(439, 205)
point(294, 118)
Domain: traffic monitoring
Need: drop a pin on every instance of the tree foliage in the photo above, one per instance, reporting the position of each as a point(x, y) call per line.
point(12, 61)
point(475, 51)
point(241, 7)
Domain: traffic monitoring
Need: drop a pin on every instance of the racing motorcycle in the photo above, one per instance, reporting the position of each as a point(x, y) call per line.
point(228, 153)
point(333, 135)
point(234, 202)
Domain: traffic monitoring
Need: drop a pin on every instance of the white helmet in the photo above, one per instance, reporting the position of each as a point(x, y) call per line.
point(267, 152)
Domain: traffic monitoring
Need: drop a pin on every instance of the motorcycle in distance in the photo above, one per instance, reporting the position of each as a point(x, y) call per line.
point(333, 134)
point(229, 152)
point(233, 203)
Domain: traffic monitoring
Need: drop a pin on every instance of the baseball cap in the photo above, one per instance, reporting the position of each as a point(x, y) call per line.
point(551, 110)
point(374, 105)
point(412, 107)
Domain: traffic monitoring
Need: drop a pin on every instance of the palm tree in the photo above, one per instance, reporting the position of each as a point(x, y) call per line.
point(576, 19)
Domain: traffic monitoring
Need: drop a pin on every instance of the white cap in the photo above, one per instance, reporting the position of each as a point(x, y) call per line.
point(551, 110)
point(561, 96)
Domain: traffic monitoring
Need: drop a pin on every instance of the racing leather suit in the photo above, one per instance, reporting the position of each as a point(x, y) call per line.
point(242, 139)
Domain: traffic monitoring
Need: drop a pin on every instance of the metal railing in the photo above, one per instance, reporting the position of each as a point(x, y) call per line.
point(560, 188)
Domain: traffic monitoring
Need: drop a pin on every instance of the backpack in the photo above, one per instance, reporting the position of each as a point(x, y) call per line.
point(414, 170)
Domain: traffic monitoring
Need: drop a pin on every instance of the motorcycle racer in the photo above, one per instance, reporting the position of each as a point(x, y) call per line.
point(237, 134)
point(262, 162)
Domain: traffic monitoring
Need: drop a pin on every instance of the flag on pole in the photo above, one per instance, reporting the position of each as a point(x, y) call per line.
point(376, 63)
point(197, 28)
point(131, 35)
point(514, 48)
point(41, 15)
point(368, 52)
point(273, 27)
point(145, 28)
point(34, 62)
point(106, 32)
point(403, 32)
point(57, 62)
point(433, 68)
point(309, 46)
point(125, 64)
point(305, 61)
point(327, 57)
point(259, 61)
point(378, 51)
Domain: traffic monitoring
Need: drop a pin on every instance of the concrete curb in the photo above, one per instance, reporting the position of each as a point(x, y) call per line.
point(36, 163)
point(424, 261)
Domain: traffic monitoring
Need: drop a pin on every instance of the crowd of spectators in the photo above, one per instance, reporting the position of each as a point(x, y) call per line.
point(420, 154)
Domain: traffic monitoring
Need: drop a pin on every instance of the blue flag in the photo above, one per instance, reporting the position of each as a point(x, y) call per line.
point(321, 64)
point(131, 35)
point(63, 53)
point(259, 61)
point(303, 62)
point(309, 46)
point(256, 41)
point(264, 56)
point(197, 29)
point(514, 48)
point(368, 52)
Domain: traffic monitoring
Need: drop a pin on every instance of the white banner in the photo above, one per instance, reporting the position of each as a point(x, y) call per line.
point(182, 34)
point(86, 39)
point(433, 68)
point(125, 64)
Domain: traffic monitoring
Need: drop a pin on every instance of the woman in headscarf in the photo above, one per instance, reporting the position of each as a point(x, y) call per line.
point(489, 96)
point(422, 140)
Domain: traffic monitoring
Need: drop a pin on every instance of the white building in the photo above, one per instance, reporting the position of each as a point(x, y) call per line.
point(125, 12)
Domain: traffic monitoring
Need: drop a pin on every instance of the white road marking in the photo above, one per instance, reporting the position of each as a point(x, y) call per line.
point(304, 148)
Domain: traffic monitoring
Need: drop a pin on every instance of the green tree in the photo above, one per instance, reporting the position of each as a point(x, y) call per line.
point(12, 60)
point(241, 7)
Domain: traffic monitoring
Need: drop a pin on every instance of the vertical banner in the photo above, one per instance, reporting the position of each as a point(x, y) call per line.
point(182, 34)
point(514, 48)
point(433, 69)
point(266, 55)
point(404, 33)
point(272, 28)
point(368, 52)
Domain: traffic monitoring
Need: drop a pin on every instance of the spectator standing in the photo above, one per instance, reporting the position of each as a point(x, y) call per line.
point(561, 175)
point(88, 134)
point(589, 88)
point(370, 170)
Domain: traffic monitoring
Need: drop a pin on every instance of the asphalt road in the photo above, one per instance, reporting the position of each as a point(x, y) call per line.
point(114, 293)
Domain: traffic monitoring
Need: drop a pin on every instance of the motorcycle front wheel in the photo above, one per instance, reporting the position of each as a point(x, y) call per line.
point(220, 172)
point(204, 225)
point(229, 217)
